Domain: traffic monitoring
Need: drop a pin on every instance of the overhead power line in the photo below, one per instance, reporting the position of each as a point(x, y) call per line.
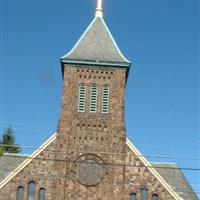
point(114, 164)
point(109, 153)
point(43, 129)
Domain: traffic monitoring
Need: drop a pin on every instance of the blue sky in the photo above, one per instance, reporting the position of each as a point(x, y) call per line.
point(161, 38)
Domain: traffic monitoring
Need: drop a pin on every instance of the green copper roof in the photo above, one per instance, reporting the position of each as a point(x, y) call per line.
point(96, 46)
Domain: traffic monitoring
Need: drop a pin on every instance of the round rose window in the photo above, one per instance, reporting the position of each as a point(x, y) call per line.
point(88, 169)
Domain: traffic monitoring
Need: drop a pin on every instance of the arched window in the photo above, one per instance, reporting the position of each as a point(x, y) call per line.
point(20, 193)
point(31, 190)
point(41, 195)
point(144, 194)
point(132, 196)
point(154, 197)
point(81, 98)
point(93, 99)
point(105, 99)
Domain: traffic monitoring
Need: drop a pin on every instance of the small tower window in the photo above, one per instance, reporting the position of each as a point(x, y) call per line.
point(81, 98)
point(132, 196)
point(20, 193)
point(31, 191)
point(154, 197)
point(105, 99)
point(41, 194)
point(144, 194)
point(93, 99)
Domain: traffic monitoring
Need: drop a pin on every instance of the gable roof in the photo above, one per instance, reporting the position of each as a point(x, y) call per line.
point(26, 161)
point(9, 162)
point(152, 170)
point(169, 175)
point(175, 178)
point(96, 46)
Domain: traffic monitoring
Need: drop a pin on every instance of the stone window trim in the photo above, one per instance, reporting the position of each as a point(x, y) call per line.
point(31, 190)
point(155, 196)
point(42, 193)
point(20, 193)
point(144, 188)
point(25, 194)
point(93, 99)
point(133, 195)
point(83, 174)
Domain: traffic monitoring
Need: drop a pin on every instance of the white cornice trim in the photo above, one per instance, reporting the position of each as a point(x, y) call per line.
point(152, 170)
point(27, 161)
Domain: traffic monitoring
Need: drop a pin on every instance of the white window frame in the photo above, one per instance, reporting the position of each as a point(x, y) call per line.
point(81, 98)
point(93, 98)
point(105, 99)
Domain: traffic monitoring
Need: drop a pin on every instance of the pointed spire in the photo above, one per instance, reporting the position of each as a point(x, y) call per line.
point(99, 9)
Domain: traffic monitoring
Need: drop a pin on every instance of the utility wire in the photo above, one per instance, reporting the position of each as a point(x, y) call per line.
point(37, 137)
point(109, 153)
point(49, 128)
point(114, 164)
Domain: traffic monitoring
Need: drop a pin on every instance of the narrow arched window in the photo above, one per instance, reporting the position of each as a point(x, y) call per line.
point(155, 197)
point(41, 195)
point(31, 190)
point(132, 196)
point(20, 193)
point(105, 99)
point(93, 99)
point(81, 98)
point(144, 194)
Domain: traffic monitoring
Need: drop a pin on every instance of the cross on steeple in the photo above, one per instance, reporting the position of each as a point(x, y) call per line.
point(99, 9)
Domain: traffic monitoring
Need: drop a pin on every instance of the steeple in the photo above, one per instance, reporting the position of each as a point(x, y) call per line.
point(99, 9)
point(96, 46)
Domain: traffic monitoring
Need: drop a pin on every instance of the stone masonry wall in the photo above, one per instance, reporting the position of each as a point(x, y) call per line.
point(89, 160)
point(39, 170)
point(92, 136)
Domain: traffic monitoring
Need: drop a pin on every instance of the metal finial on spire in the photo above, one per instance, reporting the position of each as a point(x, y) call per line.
point(99, 9)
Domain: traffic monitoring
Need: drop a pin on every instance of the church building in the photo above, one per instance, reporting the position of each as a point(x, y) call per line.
point(90, 156)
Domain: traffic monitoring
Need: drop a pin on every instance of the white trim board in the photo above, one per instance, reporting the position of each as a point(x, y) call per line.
point(27, 161)
point(152, 170)
point(128, 142)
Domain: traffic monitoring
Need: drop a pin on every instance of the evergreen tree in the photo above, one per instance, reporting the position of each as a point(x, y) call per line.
point(8, 142)
point(1, 149)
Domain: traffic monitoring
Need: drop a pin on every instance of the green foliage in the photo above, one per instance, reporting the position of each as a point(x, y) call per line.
point(1, 152)
point(7, 145)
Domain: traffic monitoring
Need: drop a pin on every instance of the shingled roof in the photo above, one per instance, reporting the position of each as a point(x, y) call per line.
point(9, 162)
point(175, 178)
point(96, 46)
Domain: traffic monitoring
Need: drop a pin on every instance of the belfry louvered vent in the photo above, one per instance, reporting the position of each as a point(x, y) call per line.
point(81, 98)
point(93, 99)
point(105, 99)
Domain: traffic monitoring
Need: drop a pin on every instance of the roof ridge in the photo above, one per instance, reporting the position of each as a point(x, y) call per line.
point(16, 154)
point(164, 163)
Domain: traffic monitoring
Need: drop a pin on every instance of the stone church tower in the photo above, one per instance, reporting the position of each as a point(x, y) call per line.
point(90, 157)
point(91, 131)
